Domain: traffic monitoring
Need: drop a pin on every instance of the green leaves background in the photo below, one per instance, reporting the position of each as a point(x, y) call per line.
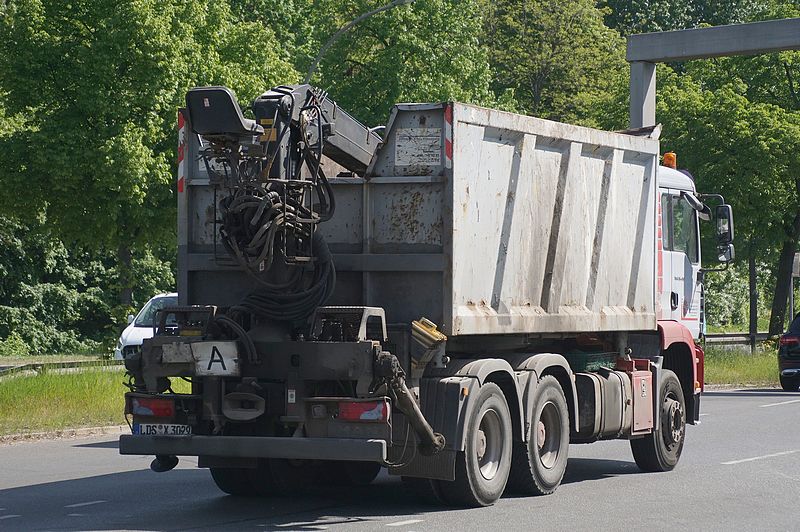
point(89, 91)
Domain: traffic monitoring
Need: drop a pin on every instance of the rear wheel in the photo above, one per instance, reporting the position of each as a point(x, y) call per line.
point(661, 449)
point(790, 384)
point(280, 477)
point(538, 466)
point(428, 491)
point(348, 473)
point(482, 468)
point(233, 481)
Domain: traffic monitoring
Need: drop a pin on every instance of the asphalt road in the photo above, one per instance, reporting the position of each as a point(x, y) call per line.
point(740, 470)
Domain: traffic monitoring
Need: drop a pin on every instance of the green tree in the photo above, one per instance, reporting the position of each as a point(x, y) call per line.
point(426, 51)
point(97, 84)
point(643, 16)
point(557, 57)
point(292, 22)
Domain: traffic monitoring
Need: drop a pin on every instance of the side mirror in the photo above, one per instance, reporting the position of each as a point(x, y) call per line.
point(724, 215)
point(702, 209)
point(131, 317)
point(726, 253)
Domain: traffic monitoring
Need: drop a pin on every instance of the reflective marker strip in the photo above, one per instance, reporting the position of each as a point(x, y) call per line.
point(181, 152)
point(448, 136)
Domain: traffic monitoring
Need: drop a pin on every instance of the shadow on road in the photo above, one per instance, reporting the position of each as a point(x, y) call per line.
point(113, 444)
point(187, 498)
point(580, 469)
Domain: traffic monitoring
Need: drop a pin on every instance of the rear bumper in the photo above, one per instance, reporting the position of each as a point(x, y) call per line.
point(256, 447)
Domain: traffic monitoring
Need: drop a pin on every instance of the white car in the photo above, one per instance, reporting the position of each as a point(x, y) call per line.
point(141, 326)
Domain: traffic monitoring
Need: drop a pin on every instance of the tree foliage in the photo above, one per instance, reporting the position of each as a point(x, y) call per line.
point(557, 57)
point(97, 84)
point(644, 16)
point(426, 51)
point(89, 91)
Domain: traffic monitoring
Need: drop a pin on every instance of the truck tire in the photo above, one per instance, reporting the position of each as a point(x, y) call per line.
point(427, 491)
point(661, 449)
point(233, 481)
point(283, 478)
point(333, 473)
point(790, 384)
point(482, 468)
point(538, 466)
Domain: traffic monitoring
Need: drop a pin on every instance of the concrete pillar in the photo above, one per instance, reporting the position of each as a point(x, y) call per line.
point(643, 94)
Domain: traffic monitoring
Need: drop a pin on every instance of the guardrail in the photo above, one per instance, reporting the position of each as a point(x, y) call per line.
point(733, 339)
point(43, 367)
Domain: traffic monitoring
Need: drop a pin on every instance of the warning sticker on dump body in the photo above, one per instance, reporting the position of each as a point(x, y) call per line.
point(418, 146)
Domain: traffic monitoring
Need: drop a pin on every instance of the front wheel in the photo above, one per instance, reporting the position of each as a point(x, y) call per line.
point(661, 449)
point(482, 468)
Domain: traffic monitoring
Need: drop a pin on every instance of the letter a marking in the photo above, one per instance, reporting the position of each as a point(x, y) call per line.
point(216, 358)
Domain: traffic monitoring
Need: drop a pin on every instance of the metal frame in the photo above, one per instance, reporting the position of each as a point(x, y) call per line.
point(645, 50)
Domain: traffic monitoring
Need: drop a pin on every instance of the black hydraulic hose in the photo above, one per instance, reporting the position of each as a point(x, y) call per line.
point(238, 330)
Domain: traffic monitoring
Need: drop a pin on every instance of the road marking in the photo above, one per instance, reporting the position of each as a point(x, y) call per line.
point(76, 515)
point(764, 457)
point(701, 415)
point(10, 516)
point(402, 523)
point(781, 403)
point(79, 504)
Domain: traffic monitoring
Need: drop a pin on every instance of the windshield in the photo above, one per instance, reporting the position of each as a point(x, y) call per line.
point(148, 314)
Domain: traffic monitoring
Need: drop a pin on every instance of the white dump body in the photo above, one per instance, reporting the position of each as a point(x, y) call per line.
point(554, 226)
point(485, 222)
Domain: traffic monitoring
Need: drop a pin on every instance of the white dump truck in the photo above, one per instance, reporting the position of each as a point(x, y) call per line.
point(476, 291)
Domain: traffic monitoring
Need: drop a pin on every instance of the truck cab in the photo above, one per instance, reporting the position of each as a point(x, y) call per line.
point(679, 270)
point(679, 282)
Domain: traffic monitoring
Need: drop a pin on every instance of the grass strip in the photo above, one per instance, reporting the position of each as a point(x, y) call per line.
point(739, 367)
point(41, 359)
point(56, 401)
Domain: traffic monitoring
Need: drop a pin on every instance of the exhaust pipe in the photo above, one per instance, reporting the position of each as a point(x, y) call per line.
point(163, 463)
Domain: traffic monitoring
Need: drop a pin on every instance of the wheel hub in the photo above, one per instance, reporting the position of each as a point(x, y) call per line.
point(548, 435)
point(541, 435)
point(481, 446)
point(489, 447)
point(672, 421)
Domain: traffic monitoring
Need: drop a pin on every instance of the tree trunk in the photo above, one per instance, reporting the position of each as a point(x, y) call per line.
point(124, 257)
point(784, 276)
point(751, 263)
point(780, 298)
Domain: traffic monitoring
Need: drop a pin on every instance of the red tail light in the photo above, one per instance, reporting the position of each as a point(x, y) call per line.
point(375, 411)
point(790, 340)
point(144, 406)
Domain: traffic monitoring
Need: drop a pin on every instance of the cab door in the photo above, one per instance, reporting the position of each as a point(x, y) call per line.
point(685, 290)
point(664, 258)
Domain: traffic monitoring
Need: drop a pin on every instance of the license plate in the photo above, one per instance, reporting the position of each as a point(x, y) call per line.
point(161, 429)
